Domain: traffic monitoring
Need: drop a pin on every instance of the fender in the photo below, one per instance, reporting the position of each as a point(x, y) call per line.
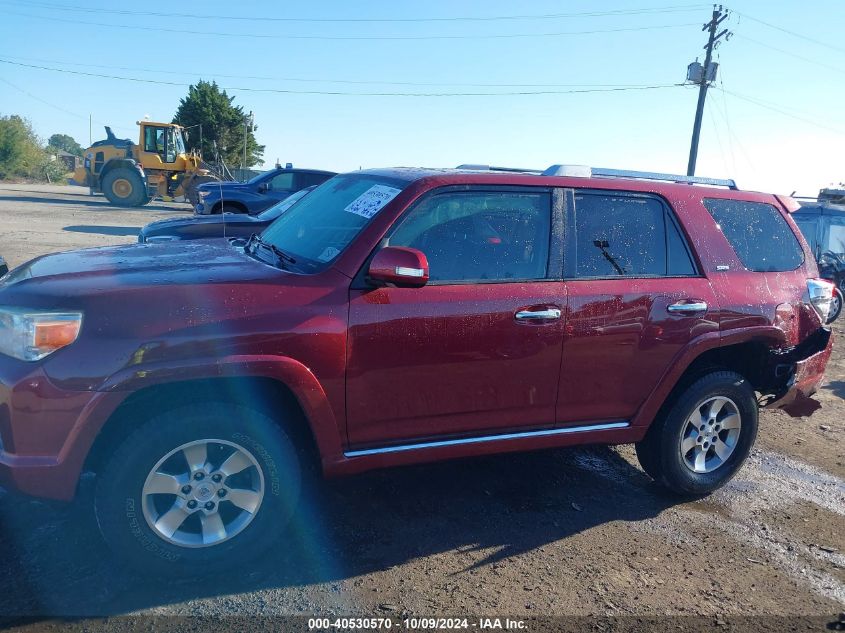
point(695, 348)
point(302, 383)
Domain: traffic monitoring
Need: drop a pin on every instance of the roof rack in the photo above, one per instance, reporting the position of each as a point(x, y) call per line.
point(585, 171)
point(511, 170)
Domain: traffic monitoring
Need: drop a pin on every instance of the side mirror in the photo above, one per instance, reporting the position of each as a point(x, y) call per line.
point(264, 187)
point(400, 266)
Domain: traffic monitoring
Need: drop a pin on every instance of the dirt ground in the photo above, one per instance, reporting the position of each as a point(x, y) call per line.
point(565, 532)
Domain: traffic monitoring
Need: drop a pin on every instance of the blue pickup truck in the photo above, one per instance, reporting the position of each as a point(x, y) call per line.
point(257, 194)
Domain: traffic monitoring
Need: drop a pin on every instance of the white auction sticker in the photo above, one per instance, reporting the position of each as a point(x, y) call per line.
point(372, 200)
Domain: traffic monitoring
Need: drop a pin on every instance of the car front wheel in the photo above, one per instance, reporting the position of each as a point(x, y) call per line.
point(702, 440)
point(198, 488)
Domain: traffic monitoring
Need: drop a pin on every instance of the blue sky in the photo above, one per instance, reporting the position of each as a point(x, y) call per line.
point(792, 138)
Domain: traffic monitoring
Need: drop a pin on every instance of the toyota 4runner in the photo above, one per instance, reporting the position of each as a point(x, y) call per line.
point(399, 316)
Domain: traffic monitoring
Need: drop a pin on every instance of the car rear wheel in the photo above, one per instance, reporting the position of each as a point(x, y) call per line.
point(702, 440)
point(200, 488)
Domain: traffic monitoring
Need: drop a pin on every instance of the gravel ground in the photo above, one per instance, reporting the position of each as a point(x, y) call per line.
point(564, 532)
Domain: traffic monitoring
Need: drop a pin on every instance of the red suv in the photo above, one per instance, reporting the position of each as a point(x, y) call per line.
point(399, 316)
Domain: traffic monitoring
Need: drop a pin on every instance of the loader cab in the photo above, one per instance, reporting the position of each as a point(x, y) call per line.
point(162, 144)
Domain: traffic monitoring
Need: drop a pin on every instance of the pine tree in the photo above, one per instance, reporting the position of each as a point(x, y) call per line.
point(222, 122)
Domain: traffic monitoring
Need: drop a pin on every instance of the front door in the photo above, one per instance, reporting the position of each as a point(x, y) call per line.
point(477, 350)
point(635, 300)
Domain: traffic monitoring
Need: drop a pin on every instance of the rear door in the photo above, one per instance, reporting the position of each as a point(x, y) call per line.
point(477, 350)
point(636, 298)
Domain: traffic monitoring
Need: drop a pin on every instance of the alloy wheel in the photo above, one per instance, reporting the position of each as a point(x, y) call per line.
point(203, 493)
point(710, 434)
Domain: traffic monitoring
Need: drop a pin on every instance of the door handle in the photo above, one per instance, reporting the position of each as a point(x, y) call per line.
point(691, 307)
point(545, 314)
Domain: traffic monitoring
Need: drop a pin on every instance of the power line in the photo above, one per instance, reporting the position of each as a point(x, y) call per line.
point(348, 94)
point(137, 27)
point(790, 54)
point(793, 33)
point(778, 109)
point(315, 80)
point(543, 16)
point(53, 105)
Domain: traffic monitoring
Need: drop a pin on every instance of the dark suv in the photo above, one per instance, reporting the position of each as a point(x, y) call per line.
point(823, 224)
point(256, 194)
point(399, 316)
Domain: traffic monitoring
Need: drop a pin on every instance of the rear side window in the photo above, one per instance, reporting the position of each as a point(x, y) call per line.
point(624, 236)
point(758, 233)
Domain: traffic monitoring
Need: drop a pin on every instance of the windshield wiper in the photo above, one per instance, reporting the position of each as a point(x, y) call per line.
point(281, 256)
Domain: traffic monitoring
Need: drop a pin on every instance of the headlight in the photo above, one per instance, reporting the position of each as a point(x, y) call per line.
point(203, 194)
point(32, 335)
point(161, 238)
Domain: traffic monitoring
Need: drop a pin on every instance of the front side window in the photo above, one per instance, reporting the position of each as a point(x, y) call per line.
point(321, 225)
point(282, 182)
point(835, 242)
point(154, 139)
point(480, 236)
point(624, 236)
point(759, 234)
point(809, 227)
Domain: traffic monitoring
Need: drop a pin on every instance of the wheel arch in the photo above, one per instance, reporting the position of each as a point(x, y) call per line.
point(268, 386)
point(745, 351)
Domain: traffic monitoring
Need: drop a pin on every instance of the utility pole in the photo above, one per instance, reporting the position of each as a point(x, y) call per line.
point(703, 76)
point(249, 121)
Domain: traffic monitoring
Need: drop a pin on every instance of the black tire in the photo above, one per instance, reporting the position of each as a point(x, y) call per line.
point(660, 452)
point(835, 306)
point(124, 187)
point(119, 501)
point(228, 207)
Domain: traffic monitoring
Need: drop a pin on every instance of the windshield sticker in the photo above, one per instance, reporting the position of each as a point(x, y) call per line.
point(372, 200)
point(328, 254)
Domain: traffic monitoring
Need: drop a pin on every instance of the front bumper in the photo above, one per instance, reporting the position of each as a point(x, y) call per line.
point(803, 369)
point(45, 431)
point(202, 209)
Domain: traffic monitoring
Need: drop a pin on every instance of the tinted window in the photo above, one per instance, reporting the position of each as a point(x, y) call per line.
point(679, 259)
point(480, 235)
point(808, 225)
point(308, 180)
point(758, 233)
point(624, 236)
point(835, 242)
point(282, 182)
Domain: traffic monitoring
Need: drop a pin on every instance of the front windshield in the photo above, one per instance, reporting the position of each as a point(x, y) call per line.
point(280, 207)
point(180, 143)
point(317, 229)
point(259, 177)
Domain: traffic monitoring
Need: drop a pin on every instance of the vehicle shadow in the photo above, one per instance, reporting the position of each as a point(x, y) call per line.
point(103, 230)
point(100, 204)
point(836, 387)
point(53, 562)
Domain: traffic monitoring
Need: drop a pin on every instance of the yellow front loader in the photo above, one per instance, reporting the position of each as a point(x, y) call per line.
point(130, 174)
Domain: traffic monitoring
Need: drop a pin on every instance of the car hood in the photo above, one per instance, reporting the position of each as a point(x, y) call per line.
point(169, 223)
point(101, 271)
point(226, 186)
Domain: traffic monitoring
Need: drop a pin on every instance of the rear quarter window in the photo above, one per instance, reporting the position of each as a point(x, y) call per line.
point(759, 234)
